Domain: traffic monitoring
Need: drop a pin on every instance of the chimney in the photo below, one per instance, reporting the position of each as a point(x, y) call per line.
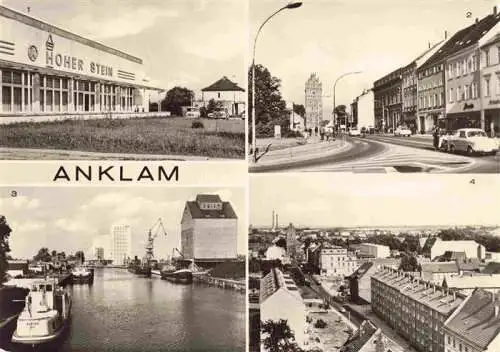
point(477, 20)
point(495, 10)
point(379, 347)
point(445, 34)
point(273, 221)
point(429, 45)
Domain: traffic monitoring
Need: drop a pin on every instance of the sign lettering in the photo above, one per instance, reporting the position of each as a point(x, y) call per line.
point(58, 60)
point(468, 106)
point(492, 102)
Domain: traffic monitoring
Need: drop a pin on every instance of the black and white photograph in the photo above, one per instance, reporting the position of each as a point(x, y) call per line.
point(379, 87)
point(122, 269)
point(373, 264)
point(122, 80)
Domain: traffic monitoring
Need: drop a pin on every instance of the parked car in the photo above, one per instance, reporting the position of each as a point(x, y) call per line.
point(353, 131)
point(402, 132)
point(193, 112)
point(342, 310)
point(471, 141)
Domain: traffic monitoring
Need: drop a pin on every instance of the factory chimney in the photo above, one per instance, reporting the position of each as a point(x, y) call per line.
point(272, 227)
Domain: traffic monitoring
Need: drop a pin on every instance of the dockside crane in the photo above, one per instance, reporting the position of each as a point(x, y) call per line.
point(152, 234)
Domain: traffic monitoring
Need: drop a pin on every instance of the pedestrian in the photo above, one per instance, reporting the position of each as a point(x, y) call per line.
point(435, 135)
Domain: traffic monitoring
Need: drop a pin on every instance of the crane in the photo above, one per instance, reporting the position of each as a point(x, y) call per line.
point(152, 234)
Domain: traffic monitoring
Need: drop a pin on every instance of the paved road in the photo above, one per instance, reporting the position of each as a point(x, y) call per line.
point(383, 154)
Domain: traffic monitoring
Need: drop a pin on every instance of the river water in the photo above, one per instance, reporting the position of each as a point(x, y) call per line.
point(122, 312)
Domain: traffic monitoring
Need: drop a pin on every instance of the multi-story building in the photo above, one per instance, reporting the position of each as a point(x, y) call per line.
point(414, 308)
point(99, 253)
point(466, 283)
point(489, 66)
point(280, 299)
point(101, 245)
point(49, 73)
point(362, 110)
point(432, 93)
point(471, 248)
point(475, 325)
point(335, 261)
point(209, 229)
point(313, 103)
point(436, 272)
point(463, 77)
point(388, 98)
point(373, 250)
point(410, 87)
point(121, 243)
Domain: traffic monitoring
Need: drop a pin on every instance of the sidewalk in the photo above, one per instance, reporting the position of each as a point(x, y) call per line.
point(59, 154)
point(314, 148)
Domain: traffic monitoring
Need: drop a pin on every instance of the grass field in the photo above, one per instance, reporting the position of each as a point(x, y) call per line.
point(168, 136)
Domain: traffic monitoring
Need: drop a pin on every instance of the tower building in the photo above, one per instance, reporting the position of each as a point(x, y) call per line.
point(313, 103)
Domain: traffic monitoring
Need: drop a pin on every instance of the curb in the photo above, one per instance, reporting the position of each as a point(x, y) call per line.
point(287, 161)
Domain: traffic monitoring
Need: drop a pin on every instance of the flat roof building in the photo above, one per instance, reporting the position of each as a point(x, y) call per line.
point(49, 73)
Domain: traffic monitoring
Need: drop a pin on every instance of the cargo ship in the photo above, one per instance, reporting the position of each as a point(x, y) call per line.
point(82, 275)
point(178, 276)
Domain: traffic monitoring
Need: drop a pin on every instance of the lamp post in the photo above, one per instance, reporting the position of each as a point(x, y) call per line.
point(335, 86)
point(292, 5)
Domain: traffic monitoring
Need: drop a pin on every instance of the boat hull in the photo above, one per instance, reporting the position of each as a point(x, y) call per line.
point(38, 340)
point(82, 279)
point(178, 278)
point(141, 272)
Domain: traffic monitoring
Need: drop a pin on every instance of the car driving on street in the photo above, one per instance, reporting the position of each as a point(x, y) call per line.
point(402, 132)
point(353, 131)
point(471, 141)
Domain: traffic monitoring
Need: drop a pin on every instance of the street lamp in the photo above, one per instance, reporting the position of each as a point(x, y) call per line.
point(292, 5)
point(334, 87)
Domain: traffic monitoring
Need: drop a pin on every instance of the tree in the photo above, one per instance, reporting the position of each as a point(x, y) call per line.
point(279, 337)
point(175, 99)
point(270, 108)
point(5, 232)
point(43, 255)
point(409, 263)
point(299, 109)
point(340, 111)
point(281, 243)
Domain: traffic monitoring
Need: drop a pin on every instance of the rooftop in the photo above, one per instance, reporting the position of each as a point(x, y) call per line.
point(227, 211)
point(473, 281)
point(433, 296)
point(223, 85)
point(464, 38)
point(360, 338)
point(476, 320)
point(440, 267)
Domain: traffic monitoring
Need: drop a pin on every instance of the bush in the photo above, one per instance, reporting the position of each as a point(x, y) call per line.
point(320, 324)
point(197, 124)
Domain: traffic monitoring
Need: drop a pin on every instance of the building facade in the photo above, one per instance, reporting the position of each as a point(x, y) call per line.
point(388, 99)
point(313, 103)
point(362, 110)
point(47, 73)
point(121, 244)
point(414, 308)
point(209, 229)
point(490, 82)
point(374, 250)
point(292, 244)
point(335, 261)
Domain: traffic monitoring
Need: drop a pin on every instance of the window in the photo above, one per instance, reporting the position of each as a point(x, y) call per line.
point(450, 70)
point(474, 63)
point(487, 57)
point(451, 95)
point(466, 92)
point(486, 86)
point(459, 96)
point(474, 90)
point(15, 91)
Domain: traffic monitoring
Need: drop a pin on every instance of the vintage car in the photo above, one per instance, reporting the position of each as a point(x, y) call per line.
point(471, 141)
point(353, 131)
point(402, 132)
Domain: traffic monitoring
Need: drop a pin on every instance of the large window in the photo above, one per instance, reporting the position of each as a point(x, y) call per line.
point(16, 95)
point(84, 95)
point(53, 94)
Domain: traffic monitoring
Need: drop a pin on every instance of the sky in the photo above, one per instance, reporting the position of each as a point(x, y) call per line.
point(328, 200)
point(69, 218)
point(332, 37)
point(190, 43)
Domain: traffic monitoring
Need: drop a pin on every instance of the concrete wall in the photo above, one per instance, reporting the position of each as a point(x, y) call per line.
point(215, 238)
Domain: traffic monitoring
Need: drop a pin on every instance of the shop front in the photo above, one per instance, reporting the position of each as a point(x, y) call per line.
point(492, 117)
point(463, 115)
point(45, 70)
